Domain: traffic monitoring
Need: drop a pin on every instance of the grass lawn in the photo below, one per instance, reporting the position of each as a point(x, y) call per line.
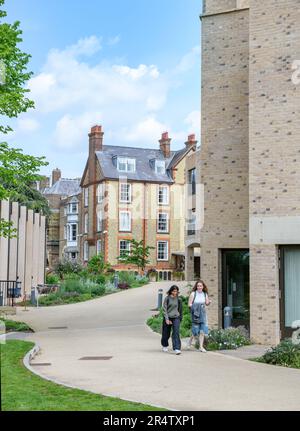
point(23, 391)
point(12, 326)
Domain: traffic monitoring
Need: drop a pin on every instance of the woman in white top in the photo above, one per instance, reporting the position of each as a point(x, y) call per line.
point(198, 301)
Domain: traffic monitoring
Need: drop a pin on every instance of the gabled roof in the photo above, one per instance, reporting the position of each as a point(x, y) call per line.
point(64, 187)
point(144, 161)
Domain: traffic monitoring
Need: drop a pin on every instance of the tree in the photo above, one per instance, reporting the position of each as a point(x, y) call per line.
point(17, 171)
point(137, 255)
point(97, 265)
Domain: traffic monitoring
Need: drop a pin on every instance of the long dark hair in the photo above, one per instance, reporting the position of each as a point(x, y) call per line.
point(172, 288)
point(205, 290)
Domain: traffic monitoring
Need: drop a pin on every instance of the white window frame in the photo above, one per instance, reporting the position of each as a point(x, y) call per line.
point(128, 246)
point(70, 210)
point(70, 232)
point(167, 197)
point(100, 193)
point(160, 164)
point(86, 197)
point(127, 162)
point(99, 246)
point(85, 251)
point(86, 222)
point(166, 230)
point(99, 221)
point(165, 259)
point(121, 227)
point(128, 192)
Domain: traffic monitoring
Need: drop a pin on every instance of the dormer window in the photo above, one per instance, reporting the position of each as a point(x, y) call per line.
point(126, 164)
point(160, 166)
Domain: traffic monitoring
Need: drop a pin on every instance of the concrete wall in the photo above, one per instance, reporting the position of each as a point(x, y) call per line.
point(23, 257)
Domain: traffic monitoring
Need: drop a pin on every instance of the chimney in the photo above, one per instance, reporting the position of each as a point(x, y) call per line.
point(191, 142)
point(95, 144)
point(95, 139)
point(165, 144)
point(56, 175)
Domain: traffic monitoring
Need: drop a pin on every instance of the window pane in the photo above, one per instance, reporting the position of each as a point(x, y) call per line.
point(292, 285)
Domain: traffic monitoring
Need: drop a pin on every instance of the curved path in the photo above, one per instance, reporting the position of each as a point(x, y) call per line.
point(115, 326)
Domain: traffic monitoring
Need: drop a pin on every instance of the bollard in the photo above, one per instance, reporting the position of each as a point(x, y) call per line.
point(116, 281)
point(33, 296)
point(160, 299)
point(227, 317)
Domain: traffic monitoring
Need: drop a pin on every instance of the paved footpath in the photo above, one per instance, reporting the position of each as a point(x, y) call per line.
point(115, 326)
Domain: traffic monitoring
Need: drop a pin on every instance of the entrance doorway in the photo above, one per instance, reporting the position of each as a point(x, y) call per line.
point(290, 288)
point(235, 285)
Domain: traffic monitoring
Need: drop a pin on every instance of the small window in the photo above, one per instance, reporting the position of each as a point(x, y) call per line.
point(192, 181)
point(191, 224)
point(86, 223)
point(125, 192)
point(86, 197)
point(162, 250)
point(124, 247)
point(126, 164)
point(73, 208)
point(99, 246)
point(72, 232)
point(162, 222)
point(85, 251)
point(163, 195)
point(125, 221)
point(100, 193)
point(160, 166)
point(99, 221)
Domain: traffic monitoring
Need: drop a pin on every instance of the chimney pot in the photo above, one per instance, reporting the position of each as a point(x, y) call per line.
point(191, 142)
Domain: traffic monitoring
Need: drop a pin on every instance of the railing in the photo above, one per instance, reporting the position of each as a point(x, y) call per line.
point(9, 290)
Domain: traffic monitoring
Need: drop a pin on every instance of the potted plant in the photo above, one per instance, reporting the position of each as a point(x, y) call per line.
point(152, 274)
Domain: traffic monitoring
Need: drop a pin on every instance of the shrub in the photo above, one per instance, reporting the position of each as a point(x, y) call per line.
point(66, 266)
point(226, 339)
point(52, 279)
point(285, 354)
point(97, 265)
point(73, 285)
point(126, 277)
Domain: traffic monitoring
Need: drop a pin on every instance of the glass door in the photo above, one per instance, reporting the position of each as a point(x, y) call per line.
point(235, 276)
point(290, 288)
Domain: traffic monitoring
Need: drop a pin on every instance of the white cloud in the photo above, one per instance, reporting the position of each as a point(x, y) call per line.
point(147, 131)
point(189, 60)
point(71, 131)
point(28, 124)
point(193, 121)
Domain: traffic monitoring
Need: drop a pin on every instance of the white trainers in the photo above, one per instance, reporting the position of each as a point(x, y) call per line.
point(203, 350)
point(165, 349)
point(177, 352)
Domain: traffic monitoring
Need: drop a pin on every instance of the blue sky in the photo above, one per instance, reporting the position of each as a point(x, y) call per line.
point(131, 65)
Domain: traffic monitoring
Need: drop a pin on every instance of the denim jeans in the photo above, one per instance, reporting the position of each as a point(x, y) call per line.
point(166, 332)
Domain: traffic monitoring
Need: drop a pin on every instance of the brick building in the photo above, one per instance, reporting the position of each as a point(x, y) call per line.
point(250, 165)
point(135, 193)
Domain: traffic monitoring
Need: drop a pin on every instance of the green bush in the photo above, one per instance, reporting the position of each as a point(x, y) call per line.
point(285, 354)
point(52, 279)
point(127, 277)
point(226, 339)
point(66, 266)
point(97, 265)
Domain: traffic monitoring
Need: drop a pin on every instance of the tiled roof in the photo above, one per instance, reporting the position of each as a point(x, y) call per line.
point(143, 156)
point(64, 187)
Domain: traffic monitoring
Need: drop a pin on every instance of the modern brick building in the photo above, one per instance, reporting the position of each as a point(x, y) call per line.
point(135, 193)
point(250, 163)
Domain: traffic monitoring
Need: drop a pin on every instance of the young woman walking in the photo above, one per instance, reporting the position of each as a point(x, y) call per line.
point(172, 310)
point(198, 301)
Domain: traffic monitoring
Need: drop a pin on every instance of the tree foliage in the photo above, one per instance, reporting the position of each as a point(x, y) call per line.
point(138, 254)
point(18, 171)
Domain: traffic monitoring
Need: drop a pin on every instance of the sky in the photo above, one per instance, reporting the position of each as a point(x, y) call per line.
point(132, 66)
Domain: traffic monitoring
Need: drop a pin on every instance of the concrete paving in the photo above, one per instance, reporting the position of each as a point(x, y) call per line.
point(115, 326)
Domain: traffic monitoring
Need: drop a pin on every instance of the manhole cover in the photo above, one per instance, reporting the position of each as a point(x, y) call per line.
point(58, 327)
point(95, 358)
point(39, 364)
